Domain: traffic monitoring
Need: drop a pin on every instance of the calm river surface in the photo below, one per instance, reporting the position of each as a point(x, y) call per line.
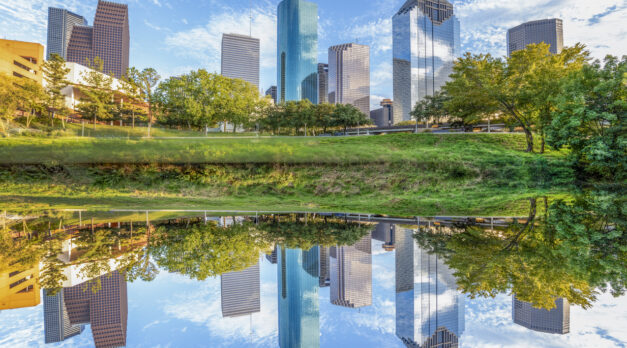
point(187, 279)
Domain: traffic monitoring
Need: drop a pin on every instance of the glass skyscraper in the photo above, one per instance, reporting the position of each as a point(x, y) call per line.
point(299, 311)
point(429, 308)
point(297, 51)
point(349, 76)
point(60, 25)
point(426, 42)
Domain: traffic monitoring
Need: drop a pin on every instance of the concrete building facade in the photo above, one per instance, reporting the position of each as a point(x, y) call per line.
point(108, 39)
point(57, 326)
point(349, 76)
point(297, 51)
point(384, 116)
point(426, 42)
point(60, 25)
point(549, 31)
point(22, 59)
point(240, 58)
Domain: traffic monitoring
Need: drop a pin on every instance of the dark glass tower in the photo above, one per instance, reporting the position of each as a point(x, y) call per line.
point(297, 51)
point(426, 42)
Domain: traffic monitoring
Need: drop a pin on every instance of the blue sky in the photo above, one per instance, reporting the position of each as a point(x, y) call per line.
point(176, 36)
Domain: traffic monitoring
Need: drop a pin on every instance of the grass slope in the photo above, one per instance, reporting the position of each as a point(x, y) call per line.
point(396, 174)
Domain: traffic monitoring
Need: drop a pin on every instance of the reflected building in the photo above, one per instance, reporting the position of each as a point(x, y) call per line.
point(351, 274)
point(299, 311)
point(324, 278)
point(57, 326)
point(297, 51)
point(60, 25)
point(240, 292)
point(240, 58)
point(549, 31)
point(19, 288)
point(349, 76)
point(429, 309)
point(555, 321)
point(384, 232)
point(426, 42)
point(104, 307)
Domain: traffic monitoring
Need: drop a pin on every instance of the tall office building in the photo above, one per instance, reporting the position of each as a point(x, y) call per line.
point(384, 232)
point(426, 42)
point(240, 58)
point(299, 310)
point(351, 274)
point(272, 93)
point(57, 326)
point(550, 31)
point(323, 83)
point(429, 309)
point(297, 51)
point(108, 39)
point(105, 309)
point(240, 292)
point(555, 321)
point(349, 76)
point(60, 25)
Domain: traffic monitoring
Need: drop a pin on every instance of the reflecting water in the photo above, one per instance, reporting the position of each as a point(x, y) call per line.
point(552, 278)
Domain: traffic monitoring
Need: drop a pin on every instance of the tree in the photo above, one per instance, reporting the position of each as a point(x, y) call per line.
point(516, 88)
point(146, 81)
point(132, 92)
point(32, 99)
point(9, 101)
point(347, 115)
point(98, 103)
point(589, 118)
point(323, 115)
point(55, 74)
point(431, 108)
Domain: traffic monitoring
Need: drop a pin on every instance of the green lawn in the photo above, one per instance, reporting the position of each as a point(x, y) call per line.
point(401, 174)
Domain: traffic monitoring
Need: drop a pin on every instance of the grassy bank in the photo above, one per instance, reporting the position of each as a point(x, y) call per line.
point(401, 174)
point(503, 149)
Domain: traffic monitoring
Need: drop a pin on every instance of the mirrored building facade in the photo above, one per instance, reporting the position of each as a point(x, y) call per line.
point(429, 308)
point(426, 42)
point(60, 25)
point(297, 51)
point(351, 274)
point(299, 309)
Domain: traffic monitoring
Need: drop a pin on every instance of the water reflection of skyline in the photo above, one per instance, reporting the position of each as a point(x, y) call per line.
point(429, 311)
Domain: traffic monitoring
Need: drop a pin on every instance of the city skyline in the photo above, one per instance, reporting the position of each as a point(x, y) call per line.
point(178, 29)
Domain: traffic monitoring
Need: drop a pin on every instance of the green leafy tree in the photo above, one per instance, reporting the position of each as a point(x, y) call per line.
point(9, 101)
point(347, 115)
point(98, 102)
point(323, 116)
point(132, 95)
point(430, 109)
point(518, 88)
point(32, 99)
point(589, 118)
point(146, 81)
point(55, 74)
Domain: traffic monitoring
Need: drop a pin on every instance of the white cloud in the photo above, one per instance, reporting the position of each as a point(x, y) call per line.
point(599, 24)
point(377, 34)
point(204, 43)
point(156, 2)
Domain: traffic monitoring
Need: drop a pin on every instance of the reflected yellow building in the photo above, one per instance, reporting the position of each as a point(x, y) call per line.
point(20, 289)
point(22, 59)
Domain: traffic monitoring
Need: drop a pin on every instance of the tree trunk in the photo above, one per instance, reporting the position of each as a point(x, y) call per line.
point(133, 118)
point(529, 137)
point(543, 142)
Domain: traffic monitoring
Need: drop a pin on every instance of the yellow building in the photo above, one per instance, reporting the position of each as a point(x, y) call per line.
point(20, 289)
point(22, 59)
